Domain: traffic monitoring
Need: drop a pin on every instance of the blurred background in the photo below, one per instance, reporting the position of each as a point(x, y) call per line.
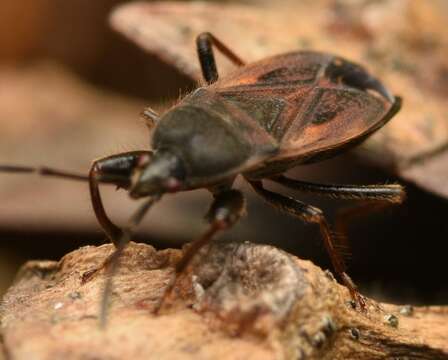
point(71, 90)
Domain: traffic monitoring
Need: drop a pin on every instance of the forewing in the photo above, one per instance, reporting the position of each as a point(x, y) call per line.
point(332, 118)
point(294, 68)
point(309, 115)
point(272, 92)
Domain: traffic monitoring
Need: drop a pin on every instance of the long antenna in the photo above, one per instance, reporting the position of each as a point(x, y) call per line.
point(43, 170)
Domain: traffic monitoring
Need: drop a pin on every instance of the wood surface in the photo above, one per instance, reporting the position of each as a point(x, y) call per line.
point(238, 301)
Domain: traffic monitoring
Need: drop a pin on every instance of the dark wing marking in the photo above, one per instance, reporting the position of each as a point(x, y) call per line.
point(265, 110)
point(273, 90)
point(272, 109)
point(289, 69)
point(331, 118)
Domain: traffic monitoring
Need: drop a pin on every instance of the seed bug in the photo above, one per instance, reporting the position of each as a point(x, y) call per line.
point(259, 121)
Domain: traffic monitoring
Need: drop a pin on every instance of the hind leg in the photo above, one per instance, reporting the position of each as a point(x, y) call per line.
point(372, 198)
point(314, 215)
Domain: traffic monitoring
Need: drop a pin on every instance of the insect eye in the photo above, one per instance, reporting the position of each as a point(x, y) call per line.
point(172, 184)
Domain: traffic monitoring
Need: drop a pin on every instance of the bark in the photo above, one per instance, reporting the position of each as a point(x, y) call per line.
point(238, 300)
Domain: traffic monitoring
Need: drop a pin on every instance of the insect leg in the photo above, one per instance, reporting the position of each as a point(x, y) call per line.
point(346, 216)
point(204, 45)
point(116, 170)
point(227, 208)
point(393, 193)
point(374, 197)
point(311, 214)
point(112, 231)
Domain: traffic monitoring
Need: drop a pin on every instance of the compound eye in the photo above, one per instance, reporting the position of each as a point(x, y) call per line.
point(353, 75)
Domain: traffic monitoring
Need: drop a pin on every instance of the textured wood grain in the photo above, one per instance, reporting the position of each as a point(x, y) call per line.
point(238, 301)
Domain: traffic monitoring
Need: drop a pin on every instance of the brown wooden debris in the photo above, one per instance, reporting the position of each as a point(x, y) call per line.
point(404, 43)
point(239, 301)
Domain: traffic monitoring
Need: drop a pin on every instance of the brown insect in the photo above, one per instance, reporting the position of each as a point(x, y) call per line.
point(261, 120)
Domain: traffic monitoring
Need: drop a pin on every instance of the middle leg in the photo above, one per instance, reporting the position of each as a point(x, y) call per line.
point(312, 214)
point(227, 208)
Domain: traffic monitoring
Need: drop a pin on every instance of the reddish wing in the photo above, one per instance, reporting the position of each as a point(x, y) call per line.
point(306, 112)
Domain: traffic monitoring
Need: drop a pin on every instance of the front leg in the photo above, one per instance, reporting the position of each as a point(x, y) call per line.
point(227, 208)
point(312, 214)
point(117, 170)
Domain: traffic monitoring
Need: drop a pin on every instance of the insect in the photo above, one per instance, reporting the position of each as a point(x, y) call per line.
point(261, 120)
